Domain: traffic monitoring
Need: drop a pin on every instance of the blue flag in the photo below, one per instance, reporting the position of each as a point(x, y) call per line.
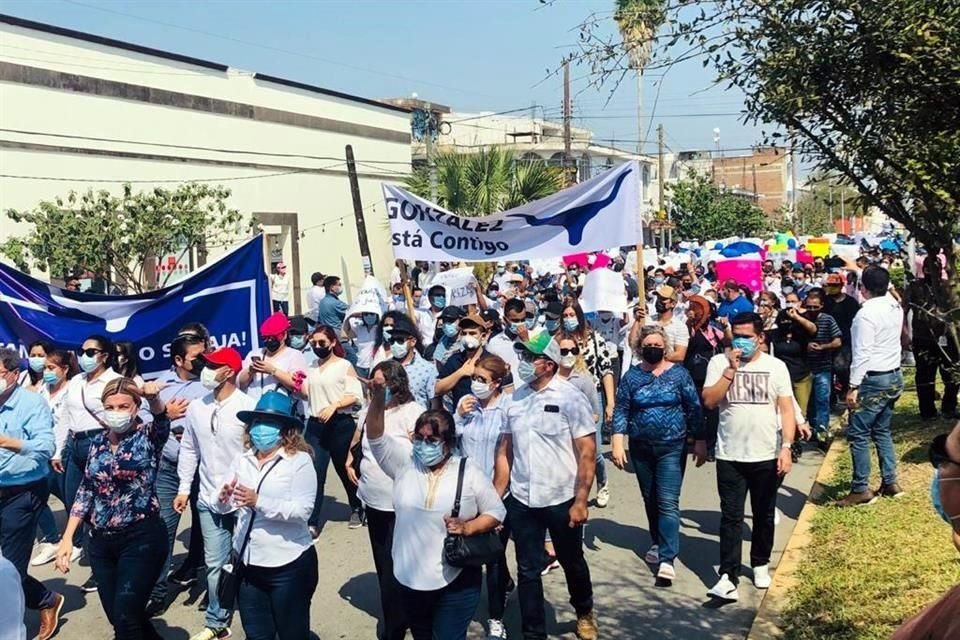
point(231, 297)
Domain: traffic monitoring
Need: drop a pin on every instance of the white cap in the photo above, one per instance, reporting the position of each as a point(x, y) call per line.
point(501, 264)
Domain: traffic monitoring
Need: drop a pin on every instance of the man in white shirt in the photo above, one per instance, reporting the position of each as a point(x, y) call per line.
point(547, 460)
point(315, 295)
point(752, 390)
point(519, 320)
point(875, 385)
point(212, 440)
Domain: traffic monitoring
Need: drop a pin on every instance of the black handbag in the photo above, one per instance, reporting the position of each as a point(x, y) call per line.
point(470, 551)
point(231, 574)
point(357, 452)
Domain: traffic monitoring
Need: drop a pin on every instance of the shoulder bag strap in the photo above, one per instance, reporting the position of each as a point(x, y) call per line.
point(83, 400)
point(253, 514)
point(456, 502)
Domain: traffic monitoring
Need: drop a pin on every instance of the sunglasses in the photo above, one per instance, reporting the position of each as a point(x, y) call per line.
point(813, 308)
point(91, 352)
point(526, 356)
point(574, 350)
point(398, 339)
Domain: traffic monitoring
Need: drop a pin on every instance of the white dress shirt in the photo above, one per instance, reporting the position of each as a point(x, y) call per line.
point(56, 402)
point(280, 533)
point(427, 323)
point(82, 395)
point(376, 487)
point(212, 439)
point(314, 295)
point(544, 425)
point(421, 498)
point(875, 335)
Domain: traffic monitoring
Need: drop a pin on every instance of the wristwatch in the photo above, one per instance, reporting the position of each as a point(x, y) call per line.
point(786, 445)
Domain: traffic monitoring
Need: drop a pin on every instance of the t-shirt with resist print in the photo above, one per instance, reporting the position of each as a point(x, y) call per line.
point(749, 430)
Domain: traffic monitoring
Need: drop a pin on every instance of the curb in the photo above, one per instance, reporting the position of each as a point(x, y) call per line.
point(768, 622)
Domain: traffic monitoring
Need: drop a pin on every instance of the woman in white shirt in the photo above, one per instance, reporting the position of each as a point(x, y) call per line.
point(375, 489)
point(333, 389)
point(440, 599)
point(273, 488)
point(32, 377)
point(480, 419)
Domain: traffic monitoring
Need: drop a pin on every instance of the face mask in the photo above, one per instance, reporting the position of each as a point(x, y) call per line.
point(271, 344)
point(399, 351)
point(427, 453)
point(531, 323)
point(264, 437)
point(606, 316)
point(322, 352)
point(658, 279)
point(370, 319)
point(398, 298)
point(118, 421)
point(449, 329)
point(552, 326)
point(652, 355)
point(527, 371)
point(439, 301)
point(571, 324)
point(87, 363)
point(493, 293)
point(387, 396)
point(687, 286)
point(298, 342)
point(660, 306)
point(3, 386)
point(50, 377)
point(36, 363)
point(568, 361)
point(208, 378)
point(500, 270)
point(834, 290)
point(387, 331)
point(746, 345)
point(516, 327)
point(470, 342)
point(481, 389)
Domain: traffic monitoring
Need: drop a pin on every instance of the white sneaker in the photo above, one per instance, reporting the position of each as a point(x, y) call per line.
point(46, 553)
point(761, 576)
point(76, 553)
point(496, 630)
point(666, 572)
point(724, 590)
point(652, 556)
point(603, 496)
point(776, 516)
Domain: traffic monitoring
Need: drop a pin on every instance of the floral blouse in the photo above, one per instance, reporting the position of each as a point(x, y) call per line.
point(119, 488)
point(657, 408)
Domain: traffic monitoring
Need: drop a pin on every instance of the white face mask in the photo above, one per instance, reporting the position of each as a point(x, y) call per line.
point(3, 386)
point(118, 421)
point(481, 389)
point(399, 351)
point(568, 361)
point(208, 378)
point(470, 342)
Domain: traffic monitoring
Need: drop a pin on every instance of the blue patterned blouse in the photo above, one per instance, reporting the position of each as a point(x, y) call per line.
point(119, 488)
point(657, 408)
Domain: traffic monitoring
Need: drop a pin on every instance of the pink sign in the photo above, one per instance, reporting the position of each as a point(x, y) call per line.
point(745, 272)
point(804, 257)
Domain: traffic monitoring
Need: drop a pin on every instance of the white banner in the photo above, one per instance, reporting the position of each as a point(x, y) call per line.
point(457, 283)
point(603, 291)
point(591, 216)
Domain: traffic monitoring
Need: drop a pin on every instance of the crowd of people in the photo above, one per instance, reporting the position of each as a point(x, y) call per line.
point(453, 430)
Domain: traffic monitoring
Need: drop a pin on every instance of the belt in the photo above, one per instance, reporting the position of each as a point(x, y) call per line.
point(882, 373)
point(89, 433)
point(17, 489)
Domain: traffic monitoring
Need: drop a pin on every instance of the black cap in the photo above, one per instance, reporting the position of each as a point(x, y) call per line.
point(490, 315)
point(298, 324)
point(403, 326)
point(553, 310)
point(451, 313)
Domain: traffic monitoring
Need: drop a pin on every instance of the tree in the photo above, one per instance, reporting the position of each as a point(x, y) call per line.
point(821, 205)
point(113, 237)
point(482, 183)
point(702, 211)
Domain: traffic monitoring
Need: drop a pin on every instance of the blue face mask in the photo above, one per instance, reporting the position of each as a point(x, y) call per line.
point(516, 327)
point(298, 342)
point(387, 396)
point(398, 298)
point(746, 345)
point(87, 363)
point(36, 363)
point(571, 324)
point(552, 326)
point(527, 371)
point(370, 319)
point(264, 436)
point(50, 377)
point(439, 301)
point(531, 323)
point(427, 453)
point(450, 329)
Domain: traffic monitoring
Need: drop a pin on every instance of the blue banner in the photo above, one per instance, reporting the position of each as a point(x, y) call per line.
point(231, 297)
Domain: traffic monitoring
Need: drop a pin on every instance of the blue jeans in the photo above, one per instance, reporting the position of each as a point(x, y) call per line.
point(274, 602)
point(168, 485)
point(75, 452)
point(217, 530)
point(659, 467)
point(871, 421)
point(444, 614)
point(601, 463)
point(819, 410)
point(46, 523)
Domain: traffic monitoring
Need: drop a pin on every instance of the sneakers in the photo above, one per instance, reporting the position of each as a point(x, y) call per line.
point(496, 630)
point(890, 490)
point(587, 626)
point(46, 553)
point(761, 576)
point(552, 563)
point(603, 496)
point(50, 618)
point(857, 498)
point(209, 633)
point(725, 589)
point(666, 572)
point(652, 556)
point(183, 576)
point(155, 607)
point(89, 586)
point(355, 520)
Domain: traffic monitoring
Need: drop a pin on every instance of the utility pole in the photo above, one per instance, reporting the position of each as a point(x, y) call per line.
point(793, 172)
point(662, 183)
point(358, 213)
point(843, 224)
point(568, 174)
point(431, 164)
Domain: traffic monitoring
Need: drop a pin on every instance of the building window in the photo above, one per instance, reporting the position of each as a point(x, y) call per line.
point(556, 160)
point(530, 157)
point(584, 168)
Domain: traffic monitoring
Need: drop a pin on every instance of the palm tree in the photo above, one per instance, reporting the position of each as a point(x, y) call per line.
point(638, 21)
point(491, 180)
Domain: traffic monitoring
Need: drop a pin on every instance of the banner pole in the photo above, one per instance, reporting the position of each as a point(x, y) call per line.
point(407, 293)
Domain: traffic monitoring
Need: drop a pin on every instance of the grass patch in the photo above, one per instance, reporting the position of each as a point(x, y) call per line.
point(867, 569)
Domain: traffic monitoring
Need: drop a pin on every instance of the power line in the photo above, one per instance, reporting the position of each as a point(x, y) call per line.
point(166, 180)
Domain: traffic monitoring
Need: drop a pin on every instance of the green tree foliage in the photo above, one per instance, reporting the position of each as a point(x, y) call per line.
point(114, 236)
point(702, 211)
point(482, 183)
point(819, 207)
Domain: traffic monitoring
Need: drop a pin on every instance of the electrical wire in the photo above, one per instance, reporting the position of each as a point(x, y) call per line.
point(166, 180)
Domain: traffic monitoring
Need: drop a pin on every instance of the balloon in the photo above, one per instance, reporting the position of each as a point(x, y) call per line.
point(791, 243)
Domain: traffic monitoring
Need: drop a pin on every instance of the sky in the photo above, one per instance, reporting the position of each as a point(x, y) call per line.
point(476, 55)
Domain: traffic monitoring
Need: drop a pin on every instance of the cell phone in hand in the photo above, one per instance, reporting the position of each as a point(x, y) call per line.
point(256, 358)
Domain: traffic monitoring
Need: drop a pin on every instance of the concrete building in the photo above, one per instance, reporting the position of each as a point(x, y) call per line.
point(79, 111)
point(765, 173)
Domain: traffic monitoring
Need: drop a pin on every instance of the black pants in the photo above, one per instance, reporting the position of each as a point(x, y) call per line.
point(529, 528)
point(274, 602)
point(498, 577)
point(380, 528)
point(931, 358)
point(331, 443)
point(126, 565)
point(18, 524)
point(734, 480)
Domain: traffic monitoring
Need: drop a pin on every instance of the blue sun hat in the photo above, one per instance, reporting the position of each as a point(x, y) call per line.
point(274, 407)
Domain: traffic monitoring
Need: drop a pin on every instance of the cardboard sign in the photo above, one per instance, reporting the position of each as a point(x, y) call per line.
point(457, 283)
point(603, 290)
point(744, 271)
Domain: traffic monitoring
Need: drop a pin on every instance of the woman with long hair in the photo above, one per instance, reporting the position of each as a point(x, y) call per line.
point(274, 487)
point(706, 341)
point(381, 344)
point(127, 362)
point(334, 391)
point(32, 378)
point(117, 499)
point(768, 306)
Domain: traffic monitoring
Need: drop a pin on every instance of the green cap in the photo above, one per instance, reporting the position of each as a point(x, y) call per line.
point(540, 343)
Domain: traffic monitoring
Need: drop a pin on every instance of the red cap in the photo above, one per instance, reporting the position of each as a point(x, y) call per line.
point(275, 324)
point(834, 279)
point(225, 357)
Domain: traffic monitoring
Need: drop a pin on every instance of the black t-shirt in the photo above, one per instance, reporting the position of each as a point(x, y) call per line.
point(843, 312)
point(699, 353)
point(791, 347)
point(462, 387)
